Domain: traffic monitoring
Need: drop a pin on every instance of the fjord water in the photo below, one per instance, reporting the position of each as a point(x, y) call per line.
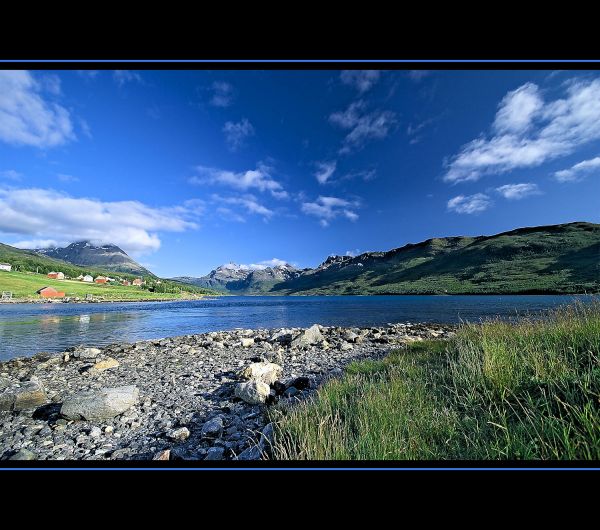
point(26, 329)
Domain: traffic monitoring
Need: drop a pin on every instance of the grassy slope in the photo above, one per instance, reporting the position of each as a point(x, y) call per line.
point(24, 285)
point(552, 259)
point(496, 391)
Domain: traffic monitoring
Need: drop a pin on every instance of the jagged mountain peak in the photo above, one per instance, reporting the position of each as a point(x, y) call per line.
point(106, 256)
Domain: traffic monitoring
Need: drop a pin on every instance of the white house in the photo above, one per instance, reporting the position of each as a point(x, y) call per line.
point(5, 266)
point(88, 278)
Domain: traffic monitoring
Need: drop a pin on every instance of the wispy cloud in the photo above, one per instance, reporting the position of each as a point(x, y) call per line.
point(259, 179)
point(122, 77)
point(362, 125)
point(249, 203)
point(362, 80)
point(352, 253)
point(222, 94)
point(325, 171)
point(418, 75)
point(579, 171)
point(469, 203)
point(518, 191)
point(415, 132)
point(529, 132)
point(67, 178)
point(11, 174)
point(27, 118)
point(236, 133)
point(326, 209)
point(88, 74)
point(50, 215)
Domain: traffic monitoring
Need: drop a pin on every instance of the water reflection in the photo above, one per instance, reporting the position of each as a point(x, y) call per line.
point(26, 329)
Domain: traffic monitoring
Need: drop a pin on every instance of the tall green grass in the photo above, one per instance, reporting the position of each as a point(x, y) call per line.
point(497, 390)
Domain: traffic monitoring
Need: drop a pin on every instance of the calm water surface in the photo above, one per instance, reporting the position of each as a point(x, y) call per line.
point(26, 329)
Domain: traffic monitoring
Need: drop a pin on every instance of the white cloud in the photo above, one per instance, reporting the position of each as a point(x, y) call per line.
point(329, 208)
point(222, 94)
point(363, 126)
point(51, 215)
point(11, 174)
point(37, 243)
point(579, 170)
point(248, 202)
point(325, 171)
point(518, 191)
point(362, 80)
point(518, 109)
point(259, 178)
point(352, 253)
point(126, 76)
point(51, 83)
point(26, 118)
point(260, 266)
point(236, 133)
point(67, 178)
point(469, 203)
point(418, 75)
point(530, 132)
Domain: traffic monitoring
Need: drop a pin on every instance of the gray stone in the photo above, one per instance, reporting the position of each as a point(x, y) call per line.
point(101, 404)
point(24, 454)
point(253, 392)
point(213, 428)
point(253, 452)
point(162, 455)
point(87, 353)
point(247, 342)
point(29, 396)
point(345, 346)
point(291, 392)
point(181, 434)
point(308, 337)
point(264, 371)
point(96, 432)
point(215, 453)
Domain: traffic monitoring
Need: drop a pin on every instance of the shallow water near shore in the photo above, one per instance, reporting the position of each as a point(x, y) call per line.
point(26, 329)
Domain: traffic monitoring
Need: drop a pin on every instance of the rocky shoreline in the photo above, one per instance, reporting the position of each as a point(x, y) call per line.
point(193, 397)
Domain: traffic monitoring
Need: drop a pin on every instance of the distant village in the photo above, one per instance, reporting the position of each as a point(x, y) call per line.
point(51, 292)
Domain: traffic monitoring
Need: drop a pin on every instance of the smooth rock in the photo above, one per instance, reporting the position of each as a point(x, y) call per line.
point(29, 396)
point(253, 392)
point(106, 364)
point(215, 453)
point(345, 346)
point(253, 452)
point(308, 337)
point(101, 404)
point(291, 392)
point(213, 428)
point(262, 371)
point(162, 455)
point(24, 454)
point(87, 353)
point(247, 342)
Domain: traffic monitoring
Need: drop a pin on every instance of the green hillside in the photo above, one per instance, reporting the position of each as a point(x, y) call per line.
point(547, 259)
point(29, 271)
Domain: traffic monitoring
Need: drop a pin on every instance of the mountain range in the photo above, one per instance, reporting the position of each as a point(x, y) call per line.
point(561, 258)
point(106, 257)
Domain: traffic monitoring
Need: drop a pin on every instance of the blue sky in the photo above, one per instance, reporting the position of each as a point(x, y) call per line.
point(187, 170)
